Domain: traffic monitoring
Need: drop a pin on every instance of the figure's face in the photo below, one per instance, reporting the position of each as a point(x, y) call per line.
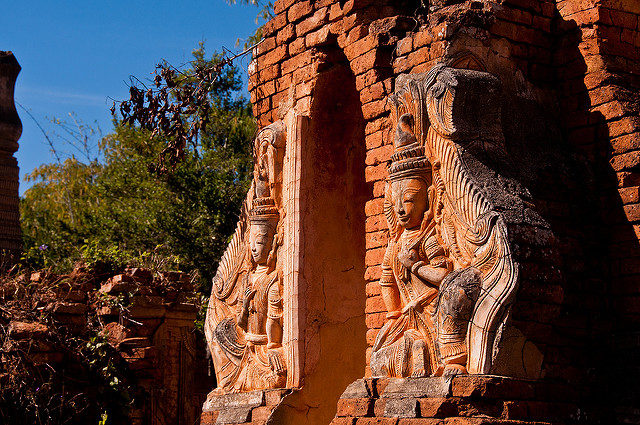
point(409, 201)
point(260, 240)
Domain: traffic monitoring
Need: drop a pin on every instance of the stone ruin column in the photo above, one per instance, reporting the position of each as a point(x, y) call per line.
point(10, 131)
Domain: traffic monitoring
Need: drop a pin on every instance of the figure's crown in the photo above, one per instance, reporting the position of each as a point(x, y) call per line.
point(263, 210)
point(409, 159)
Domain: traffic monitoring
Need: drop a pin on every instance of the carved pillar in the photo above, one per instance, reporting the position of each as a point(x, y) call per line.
point(10, 131)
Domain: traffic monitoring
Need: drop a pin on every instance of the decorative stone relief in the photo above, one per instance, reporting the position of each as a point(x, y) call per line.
point(448, 275)
point(244, 323)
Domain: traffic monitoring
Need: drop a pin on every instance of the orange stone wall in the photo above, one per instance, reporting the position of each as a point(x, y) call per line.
point(575, 64)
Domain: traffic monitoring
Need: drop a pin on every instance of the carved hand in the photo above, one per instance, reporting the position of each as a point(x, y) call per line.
point(408, 257)
point(248, 296)
point(413, 304)
point(276, 362)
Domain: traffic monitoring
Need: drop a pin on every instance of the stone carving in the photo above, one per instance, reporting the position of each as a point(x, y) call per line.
point(244, 324)
point(448, 276)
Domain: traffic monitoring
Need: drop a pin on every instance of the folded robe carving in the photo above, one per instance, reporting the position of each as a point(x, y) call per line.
point(448, 276)
point(245, 313)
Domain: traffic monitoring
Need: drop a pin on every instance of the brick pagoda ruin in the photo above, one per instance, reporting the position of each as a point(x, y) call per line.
point(443, 222)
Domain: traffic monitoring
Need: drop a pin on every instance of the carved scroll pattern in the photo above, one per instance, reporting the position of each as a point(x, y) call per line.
point(474, 233)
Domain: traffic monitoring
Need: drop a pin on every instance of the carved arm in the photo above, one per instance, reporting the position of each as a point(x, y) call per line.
point(388, 286)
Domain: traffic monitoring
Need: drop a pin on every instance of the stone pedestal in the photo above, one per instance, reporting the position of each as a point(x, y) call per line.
point(463, 400)
point(253, 407)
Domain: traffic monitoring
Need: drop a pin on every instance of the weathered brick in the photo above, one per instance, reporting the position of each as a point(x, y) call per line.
point(375, 172)
point(629, 195)
point(632, 211)
point(313, 22)
point(625, 161)
point(374, 256)
point(375, 305)
point(299, 10)
point(379, 155)
point(354, 407)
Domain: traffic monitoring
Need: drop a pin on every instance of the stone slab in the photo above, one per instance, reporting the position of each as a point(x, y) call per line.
point(418, 387)
point(239, 400)
point(236, 415)
point(357, 389)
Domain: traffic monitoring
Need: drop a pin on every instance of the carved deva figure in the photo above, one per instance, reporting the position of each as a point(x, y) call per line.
point(448, 276)
point(416, 275)
point(244, 319)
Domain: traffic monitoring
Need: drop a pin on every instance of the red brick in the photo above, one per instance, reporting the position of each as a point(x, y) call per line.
point(491, 387)
point(623, 19)
point(626, 161)
point(354, 407)
point(376, 421)
point(372, 274)
point(274, 25)
point(285, 34)
point(313, 22)
point(318, 38)
point(343, 421)
point(378, 189)
point(364, 63)
point(436, 407)
point(371, 338)
point(375, 305)
point(375, 140)
point(297, 46)
point(632, 211)
point(375, 320)
point(369, 78)
point(629, 195)
point(610, 110)
point(261, 414)
point(374, 206)
point(361, 46)
point(375, 172)
point(625, 143)
point(274, 56)
point(379, 155)
point(375, 109)
point(280, 6)
point(265, 45)
point(376, 239)
point(373, 288)
point(375, 222)
point(299, 10)
point(298, 61)
point(374, 256)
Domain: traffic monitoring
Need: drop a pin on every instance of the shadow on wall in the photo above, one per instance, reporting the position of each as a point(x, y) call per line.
point(594, 341)
point(333, 196)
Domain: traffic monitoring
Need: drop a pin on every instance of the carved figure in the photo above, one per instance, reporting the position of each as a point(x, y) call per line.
point(447, 275)
point(244, 320)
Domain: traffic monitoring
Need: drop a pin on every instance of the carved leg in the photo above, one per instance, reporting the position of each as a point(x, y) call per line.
point(419, 359)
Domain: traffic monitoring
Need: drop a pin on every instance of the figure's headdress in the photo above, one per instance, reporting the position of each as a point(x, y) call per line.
point(409, 159)
point(264, 210)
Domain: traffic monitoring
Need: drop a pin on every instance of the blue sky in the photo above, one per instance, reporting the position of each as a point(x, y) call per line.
point(76, 54)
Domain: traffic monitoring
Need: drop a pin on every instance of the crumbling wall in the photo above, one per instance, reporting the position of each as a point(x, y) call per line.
point(118, 347)
point(10, 130)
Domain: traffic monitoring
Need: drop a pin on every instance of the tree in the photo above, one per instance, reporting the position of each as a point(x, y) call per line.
point(128, 204)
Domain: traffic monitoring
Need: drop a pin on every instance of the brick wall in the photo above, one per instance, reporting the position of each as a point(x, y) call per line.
point(571, 67)
point(10, 130)
point(146, 319)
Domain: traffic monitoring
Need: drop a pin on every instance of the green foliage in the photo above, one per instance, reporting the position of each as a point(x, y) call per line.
point(113, 210)
point(265, 13)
